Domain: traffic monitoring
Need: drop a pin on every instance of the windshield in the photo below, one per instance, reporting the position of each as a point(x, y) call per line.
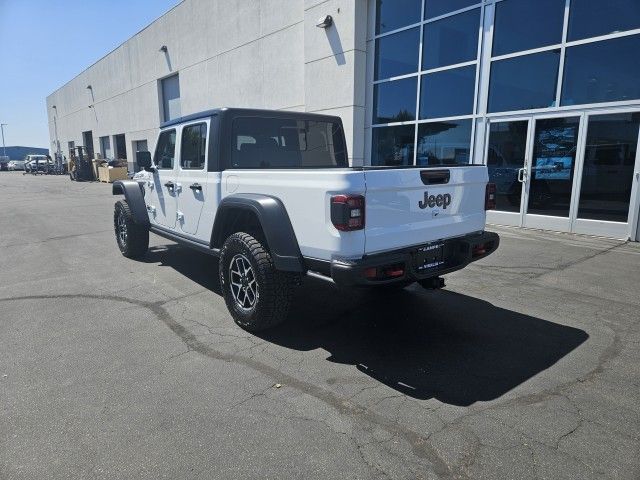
point(287, 143)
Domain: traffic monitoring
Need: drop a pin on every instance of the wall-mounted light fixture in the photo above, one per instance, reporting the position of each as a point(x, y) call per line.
point(164, 49)
point(325, 22)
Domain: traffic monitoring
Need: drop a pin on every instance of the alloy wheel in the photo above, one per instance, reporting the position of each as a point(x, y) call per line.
point(243, 283)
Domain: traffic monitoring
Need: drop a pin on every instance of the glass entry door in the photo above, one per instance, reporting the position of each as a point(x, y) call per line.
point(574, 173)
point(550, 177)
point(532, 161)
point(506, 159)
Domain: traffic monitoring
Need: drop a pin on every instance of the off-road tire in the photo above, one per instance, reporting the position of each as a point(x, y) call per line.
point(135, 242)
point(274, 288)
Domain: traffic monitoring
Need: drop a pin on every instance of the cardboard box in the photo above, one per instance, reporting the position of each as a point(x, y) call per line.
point(110, 175)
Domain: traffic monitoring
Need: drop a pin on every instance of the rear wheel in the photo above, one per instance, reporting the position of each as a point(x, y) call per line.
point(257, 295)
point(132, 238)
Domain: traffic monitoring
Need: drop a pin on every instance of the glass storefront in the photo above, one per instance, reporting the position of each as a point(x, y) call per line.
point(607, 171)
point(554, 112)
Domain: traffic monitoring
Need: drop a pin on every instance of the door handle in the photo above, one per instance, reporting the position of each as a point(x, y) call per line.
point(522, 174)
point(170, 185)
point(195, 186)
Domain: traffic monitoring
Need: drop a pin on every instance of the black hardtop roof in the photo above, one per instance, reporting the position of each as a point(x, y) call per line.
point(249, 112)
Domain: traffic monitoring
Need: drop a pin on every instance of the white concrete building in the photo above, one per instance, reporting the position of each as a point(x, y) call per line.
point(205, 54)
point(545, 92)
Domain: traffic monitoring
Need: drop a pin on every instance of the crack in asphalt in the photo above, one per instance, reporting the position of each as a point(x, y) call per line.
point(418, 443)
point(50, 239)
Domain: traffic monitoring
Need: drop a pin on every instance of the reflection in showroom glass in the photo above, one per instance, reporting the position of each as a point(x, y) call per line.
point(444, 143)
point(505, 157)
point(393, 145)
point(395, 101)
point(393, 14)
point(607, 172)
point(524, 24)
point(435, 8)
point(525, 82)
point(451, 40)
point(397, 54)
point(591, 19)
point(448, 93)
point(607, 71)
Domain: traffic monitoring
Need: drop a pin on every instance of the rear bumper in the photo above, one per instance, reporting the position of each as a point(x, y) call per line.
point(457, 253)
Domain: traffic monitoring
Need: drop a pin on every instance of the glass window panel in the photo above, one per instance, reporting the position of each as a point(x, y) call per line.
point(444, 143)
point(171, 97)
point(505, 156)
point(165, 150)
point(395, 101)
point(393, 14)
point(525, 24)
point(105, 147)
point(451, 40)
point(193, 149)
point(607, 174)
point(393, 145)
point(554, 155)
point(261, 142)
point(598, 72)
point(591, 19)
point(397, 54)
point(435, 8)
point(524, 82)
point(448, 93)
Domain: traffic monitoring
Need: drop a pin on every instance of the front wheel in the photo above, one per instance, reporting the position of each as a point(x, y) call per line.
point(257, 295)
point(132, 238)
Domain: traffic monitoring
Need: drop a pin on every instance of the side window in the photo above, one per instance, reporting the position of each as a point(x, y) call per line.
point(165, 150)
point(194, 147)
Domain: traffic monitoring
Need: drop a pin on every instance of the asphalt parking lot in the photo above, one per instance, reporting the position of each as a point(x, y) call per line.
point(526, 366)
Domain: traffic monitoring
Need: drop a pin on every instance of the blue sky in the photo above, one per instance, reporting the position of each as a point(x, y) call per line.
point(45, 43)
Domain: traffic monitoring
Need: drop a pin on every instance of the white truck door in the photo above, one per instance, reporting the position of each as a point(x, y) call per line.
point(161, 190)
point(192, 186)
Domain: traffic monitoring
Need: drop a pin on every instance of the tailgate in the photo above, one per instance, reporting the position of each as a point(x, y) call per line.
point(413, 206)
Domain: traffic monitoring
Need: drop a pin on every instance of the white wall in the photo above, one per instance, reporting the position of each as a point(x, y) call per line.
point(236, 53)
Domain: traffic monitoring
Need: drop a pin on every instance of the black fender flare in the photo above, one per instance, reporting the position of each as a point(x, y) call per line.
point(275, 223)
point(134, 195)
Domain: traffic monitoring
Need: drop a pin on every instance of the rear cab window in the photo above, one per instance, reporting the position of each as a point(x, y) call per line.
point(260, 142)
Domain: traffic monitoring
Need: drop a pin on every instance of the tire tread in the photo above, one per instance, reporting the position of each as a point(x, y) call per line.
point(137, 235)
point(275, 287)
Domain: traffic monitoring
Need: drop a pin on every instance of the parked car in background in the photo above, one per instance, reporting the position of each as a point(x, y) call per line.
point(4, 162)
point(16, 165)
point(33, 163)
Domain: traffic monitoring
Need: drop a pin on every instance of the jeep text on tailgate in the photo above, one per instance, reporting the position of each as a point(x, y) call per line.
point(272, 196)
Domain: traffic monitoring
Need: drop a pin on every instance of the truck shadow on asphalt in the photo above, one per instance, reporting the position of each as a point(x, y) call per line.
point(424, 344)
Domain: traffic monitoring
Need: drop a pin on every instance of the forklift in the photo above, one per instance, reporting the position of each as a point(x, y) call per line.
point(80, 166)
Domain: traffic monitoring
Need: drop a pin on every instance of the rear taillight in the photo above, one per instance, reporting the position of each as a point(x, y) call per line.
point(347, 212)
point(387, 272)
point(490, 197)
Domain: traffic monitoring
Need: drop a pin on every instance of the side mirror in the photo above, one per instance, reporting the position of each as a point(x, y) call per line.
point(144, 160)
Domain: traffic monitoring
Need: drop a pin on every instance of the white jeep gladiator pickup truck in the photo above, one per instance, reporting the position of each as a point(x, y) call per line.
point(271, 194)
